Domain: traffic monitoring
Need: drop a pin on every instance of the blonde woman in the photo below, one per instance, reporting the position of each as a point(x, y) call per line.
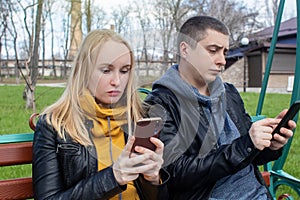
point(82, 142)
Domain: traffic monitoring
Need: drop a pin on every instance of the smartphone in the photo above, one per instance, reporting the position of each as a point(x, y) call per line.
point(146, 128)
point(293, 110)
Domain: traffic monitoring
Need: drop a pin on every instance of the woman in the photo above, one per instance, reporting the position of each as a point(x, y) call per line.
point(79, 149)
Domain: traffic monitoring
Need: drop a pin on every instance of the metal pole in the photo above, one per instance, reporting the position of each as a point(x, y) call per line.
point(245, 75)
point(270, 58)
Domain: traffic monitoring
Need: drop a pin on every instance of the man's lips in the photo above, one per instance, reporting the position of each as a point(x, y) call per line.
point(216, 70)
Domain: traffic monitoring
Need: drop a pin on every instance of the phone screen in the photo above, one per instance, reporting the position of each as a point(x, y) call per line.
point(293, 110)
point(146, 128)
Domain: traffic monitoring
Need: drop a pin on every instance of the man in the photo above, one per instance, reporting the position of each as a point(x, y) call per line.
point(212, 148)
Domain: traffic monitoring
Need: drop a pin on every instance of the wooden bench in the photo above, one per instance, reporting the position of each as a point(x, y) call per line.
point(16, 149)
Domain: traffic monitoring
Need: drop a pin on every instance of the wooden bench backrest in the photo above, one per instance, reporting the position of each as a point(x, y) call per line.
point(15, 154)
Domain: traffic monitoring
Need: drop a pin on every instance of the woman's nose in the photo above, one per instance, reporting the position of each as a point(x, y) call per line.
point(115, 79)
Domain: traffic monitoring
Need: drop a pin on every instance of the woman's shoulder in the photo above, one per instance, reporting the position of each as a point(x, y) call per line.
point(43, 124)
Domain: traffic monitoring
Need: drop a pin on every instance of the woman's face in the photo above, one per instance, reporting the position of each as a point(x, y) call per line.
point(111, 73)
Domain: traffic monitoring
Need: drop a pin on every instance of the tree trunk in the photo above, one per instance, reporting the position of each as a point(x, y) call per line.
point(76, 31)
point(33, 64)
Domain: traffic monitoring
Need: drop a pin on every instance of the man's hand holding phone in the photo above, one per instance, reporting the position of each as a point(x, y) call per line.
point(283, 130)
point(289, 115)
point(263, 134)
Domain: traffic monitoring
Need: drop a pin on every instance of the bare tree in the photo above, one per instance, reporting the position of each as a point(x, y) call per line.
point(98, 17)
point(239, 19)
point(64, 41)
point(120, 18)
point(88, 14)
point(169, 14)
point(272, 11)
point(3, 28)
point(34, 61)
point(43, 41)
point(48, 9)
point(142, 11)
point(76, 30)
point(13, 32)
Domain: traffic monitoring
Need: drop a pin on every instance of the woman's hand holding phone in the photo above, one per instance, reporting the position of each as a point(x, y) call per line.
point(154, 161)
point(144, 130)
point(136, 159)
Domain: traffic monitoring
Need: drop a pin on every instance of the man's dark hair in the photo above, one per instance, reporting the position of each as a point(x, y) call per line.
point(194, 29)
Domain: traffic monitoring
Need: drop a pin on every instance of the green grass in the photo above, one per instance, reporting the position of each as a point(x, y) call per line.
point(273, 104)
point(13, 115)
point(14, 119)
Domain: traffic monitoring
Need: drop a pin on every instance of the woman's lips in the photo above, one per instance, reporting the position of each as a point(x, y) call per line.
point(114, 93)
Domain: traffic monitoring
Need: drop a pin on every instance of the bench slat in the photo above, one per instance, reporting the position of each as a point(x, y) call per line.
point(13, 138)
point(20, 188)
point(15, 153)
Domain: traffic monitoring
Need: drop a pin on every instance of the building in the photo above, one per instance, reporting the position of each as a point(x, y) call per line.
point(256, 54)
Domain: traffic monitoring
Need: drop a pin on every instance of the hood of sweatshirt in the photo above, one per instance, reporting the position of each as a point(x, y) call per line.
point(197, 112)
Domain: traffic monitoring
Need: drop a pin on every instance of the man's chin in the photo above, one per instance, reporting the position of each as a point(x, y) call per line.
point(211, 79)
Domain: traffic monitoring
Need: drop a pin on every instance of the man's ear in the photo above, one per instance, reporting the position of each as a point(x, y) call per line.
point(183, 48)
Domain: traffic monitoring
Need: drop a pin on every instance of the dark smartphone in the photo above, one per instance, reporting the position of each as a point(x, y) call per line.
point(146, 128)
point(293, 110)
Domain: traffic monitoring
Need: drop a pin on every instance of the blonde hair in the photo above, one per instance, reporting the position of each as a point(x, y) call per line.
point(66, 114)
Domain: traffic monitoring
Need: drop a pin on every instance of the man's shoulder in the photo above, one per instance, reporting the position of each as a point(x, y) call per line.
point(230, 88)
point(160, 94)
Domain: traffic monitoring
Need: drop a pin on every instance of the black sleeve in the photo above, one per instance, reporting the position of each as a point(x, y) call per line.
point(148, 191)
point(190, 170)
point(47, 172)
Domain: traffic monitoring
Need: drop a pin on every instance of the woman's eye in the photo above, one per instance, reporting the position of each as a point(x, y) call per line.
point(105, 70)
point(125, 70)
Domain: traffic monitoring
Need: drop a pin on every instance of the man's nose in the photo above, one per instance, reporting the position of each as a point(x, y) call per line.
point(221, 60)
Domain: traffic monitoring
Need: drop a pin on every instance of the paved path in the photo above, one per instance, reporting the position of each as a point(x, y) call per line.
point(269, 90)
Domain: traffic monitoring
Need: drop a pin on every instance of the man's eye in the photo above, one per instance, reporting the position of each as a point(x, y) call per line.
point(212, 51)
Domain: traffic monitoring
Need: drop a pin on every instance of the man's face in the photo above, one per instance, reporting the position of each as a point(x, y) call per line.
point(208, 58)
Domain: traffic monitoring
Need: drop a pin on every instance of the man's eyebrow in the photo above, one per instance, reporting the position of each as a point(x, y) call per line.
point(215, 45)
point(218, 46)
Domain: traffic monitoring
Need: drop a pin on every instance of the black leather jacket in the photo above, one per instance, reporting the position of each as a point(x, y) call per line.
point(193, 176)
point(64, 169)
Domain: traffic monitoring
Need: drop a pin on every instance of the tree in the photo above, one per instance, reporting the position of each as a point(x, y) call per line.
point(120, 18)
point(98, 17)
point(88, 15)
point(240, 20)
point(271, 11)
point(3, 28)
point(76, 29)
point(34, 60)
point(169, 15)
point(142, 11)
point(48, 9)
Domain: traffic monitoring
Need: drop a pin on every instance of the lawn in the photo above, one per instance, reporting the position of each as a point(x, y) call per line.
point(14, 119)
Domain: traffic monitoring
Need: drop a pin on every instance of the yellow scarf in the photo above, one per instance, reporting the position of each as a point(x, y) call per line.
point(108, 136)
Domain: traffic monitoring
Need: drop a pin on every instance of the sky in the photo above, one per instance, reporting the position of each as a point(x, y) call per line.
point(288, 12)
point(289, 6)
